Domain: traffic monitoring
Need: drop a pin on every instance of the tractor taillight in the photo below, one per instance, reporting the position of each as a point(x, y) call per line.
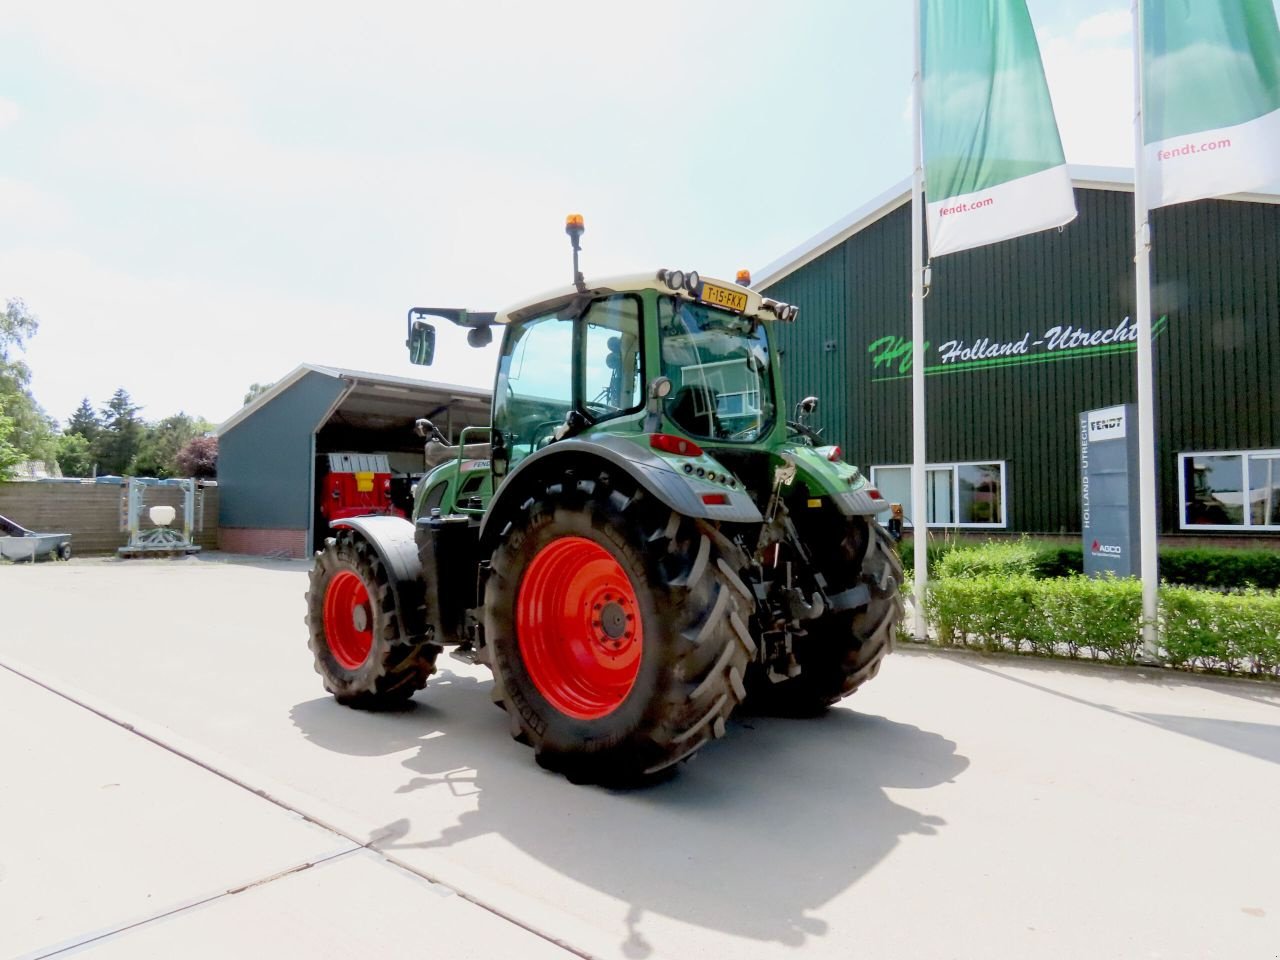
point(834, 455)
point(874, 493)
point(715, 499)
point(668, 443)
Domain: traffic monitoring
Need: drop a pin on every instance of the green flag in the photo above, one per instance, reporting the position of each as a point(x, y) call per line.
point(993, 160)
point(1211, 98)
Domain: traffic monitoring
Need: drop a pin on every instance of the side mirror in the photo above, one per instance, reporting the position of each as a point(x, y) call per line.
point(421, 343)
point(807, 406)
point(659, 390)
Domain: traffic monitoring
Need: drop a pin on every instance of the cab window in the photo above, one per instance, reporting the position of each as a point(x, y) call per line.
point(611, 356)
point(554, 364)
point(535, 384)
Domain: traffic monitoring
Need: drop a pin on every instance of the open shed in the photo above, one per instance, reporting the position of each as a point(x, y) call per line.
point(273, 452)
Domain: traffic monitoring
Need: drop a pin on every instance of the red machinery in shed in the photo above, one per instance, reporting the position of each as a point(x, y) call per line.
point(357, 485)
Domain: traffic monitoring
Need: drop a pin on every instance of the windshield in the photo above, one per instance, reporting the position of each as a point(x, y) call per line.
point(719, 370)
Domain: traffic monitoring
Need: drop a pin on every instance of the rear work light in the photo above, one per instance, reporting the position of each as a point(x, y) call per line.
point(668, 443)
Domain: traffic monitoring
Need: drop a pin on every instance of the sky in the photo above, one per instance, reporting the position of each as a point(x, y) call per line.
point(197, 198)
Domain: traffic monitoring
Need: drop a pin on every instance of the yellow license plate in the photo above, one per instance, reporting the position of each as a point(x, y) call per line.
point(720, 297)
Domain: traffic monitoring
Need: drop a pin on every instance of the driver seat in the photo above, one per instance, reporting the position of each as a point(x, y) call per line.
point(694, 408)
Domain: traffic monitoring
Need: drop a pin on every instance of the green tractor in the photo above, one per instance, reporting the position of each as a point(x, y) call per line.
point(639, 543)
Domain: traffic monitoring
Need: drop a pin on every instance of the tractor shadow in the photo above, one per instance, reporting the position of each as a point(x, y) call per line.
point(751, 838)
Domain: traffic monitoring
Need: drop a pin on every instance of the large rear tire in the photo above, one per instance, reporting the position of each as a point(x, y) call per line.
point(354, 634)
point(842, 650)
point(618, 632)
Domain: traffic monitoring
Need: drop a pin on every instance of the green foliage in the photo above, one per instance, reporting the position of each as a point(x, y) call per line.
point(937, 549)
point(1004, 557)
point(1231, 631)
point(157, 454)
point(1057, 560)
point(1221, 567)
point(121, 436)
point(256, 390)
point(27, 429)
point(17, 325)
point(85, 421)
point(1102, 617)
point(75, 455)
point(9, 454)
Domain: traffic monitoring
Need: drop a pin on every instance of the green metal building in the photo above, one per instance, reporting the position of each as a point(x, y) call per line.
point(1026, 334)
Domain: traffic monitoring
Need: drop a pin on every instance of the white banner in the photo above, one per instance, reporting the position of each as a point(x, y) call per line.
point(1214, 163)
point(1001, 212)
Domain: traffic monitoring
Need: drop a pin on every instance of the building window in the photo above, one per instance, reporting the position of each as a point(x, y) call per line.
point(956, 494)
point(1236, 490)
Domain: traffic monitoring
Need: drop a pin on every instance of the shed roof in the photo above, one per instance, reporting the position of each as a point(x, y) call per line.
point(1083, 177)
point(375, 398)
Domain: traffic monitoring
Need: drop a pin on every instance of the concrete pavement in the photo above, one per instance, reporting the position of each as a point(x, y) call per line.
point(959, 806)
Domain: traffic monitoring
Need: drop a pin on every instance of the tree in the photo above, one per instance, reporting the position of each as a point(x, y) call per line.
point(28, 429)
point(199, 458)
point(158, 451)
point(85, 421)
point(121, 436)
point(256, 390)
point(75, 455)
point(9, 455)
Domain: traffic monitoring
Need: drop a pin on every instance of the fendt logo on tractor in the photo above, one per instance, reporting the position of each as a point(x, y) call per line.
point(640, 542)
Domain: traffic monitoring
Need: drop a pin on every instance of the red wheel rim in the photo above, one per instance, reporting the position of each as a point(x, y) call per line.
point(578, 626)
point(348, 620)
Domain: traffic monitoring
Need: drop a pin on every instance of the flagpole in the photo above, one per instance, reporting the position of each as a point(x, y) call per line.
point(919, 509)
point(1147, 539)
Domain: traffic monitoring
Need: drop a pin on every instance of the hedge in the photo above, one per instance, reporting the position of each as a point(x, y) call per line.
point(1222, 568)
point(1075, 616)
point(1230, 631)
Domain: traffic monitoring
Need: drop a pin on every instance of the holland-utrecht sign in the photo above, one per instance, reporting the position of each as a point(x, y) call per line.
point(892, 354)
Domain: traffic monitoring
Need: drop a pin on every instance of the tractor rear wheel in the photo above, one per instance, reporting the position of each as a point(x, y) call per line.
point(843, 649)
point(618, 632)
point(354, 634)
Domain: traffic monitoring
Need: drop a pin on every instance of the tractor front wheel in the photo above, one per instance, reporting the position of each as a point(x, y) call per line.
point(354, 634)
point(618, 632)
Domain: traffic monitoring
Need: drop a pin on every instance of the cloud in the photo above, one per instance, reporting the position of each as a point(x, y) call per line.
point(32, 209)
point(1109, 25)
point(1090, 74)
point(9, 113)
point(170, 339)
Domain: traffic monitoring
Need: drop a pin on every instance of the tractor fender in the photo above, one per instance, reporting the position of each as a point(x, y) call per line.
point(860, 503)
point(652, 473)
point(392, 540)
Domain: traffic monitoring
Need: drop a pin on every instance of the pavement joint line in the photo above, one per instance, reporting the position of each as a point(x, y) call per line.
point(82, 701)
point(79, 943)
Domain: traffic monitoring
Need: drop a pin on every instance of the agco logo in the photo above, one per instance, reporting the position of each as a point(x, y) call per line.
point(1106, 549)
